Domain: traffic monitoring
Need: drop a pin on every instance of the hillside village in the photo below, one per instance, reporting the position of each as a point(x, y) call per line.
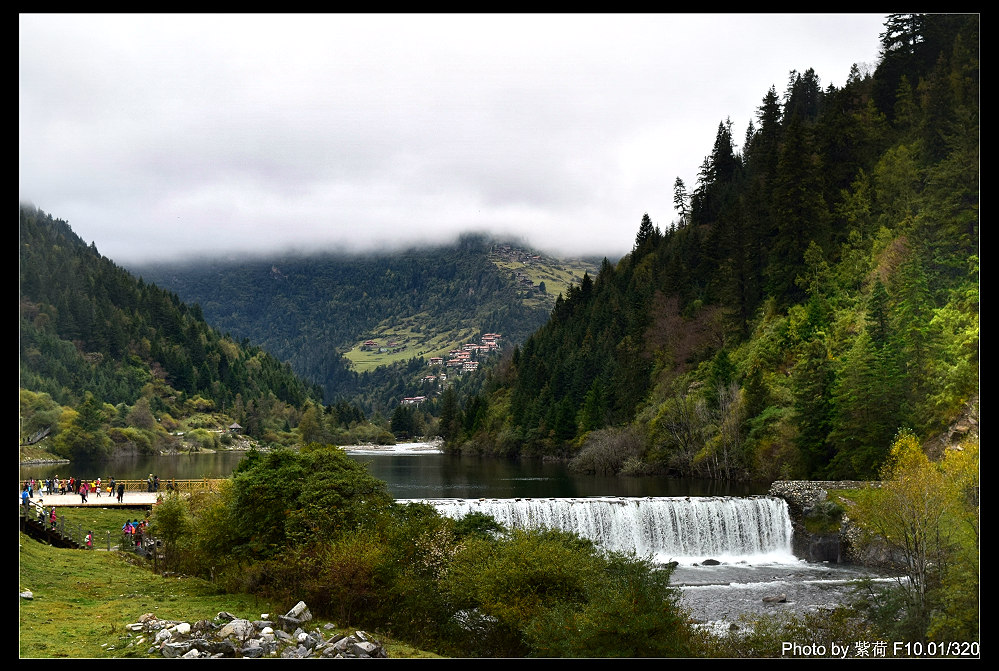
point(464, 359)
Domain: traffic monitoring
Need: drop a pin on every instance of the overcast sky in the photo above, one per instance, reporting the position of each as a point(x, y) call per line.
point(161, 136)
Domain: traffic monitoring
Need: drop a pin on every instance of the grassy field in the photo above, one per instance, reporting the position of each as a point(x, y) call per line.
point(83, 601)
point(557, 279)
point(412, 343)
point(412, 340)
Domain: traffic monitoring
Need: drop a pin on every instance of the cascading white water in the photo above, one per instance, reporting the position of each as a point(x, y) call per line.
point(685, 530)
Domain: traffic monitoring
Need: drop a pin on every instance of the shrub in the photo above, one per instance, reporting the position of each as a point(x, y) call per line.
point(630, 611)
point(130, 437)
point(605, 451)
point(203, 439)
point(545, 593)
point(170, 521)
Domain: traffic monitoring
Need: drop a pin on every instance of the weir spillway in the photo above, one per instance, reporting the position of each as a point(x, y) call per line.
point(682, 529)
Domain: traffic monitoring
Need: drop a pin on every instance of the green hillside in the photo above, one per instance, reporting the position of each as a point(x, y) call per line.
point(817, 294)
point(317, 312)
point(110, 364)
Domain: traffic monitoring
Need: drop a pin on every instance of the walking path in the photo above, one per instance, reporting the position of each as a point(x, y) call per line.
point(105, 501)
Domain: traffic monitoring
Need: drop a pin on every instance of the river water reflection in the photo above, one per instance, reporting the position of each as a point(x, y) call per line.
point(417, 471)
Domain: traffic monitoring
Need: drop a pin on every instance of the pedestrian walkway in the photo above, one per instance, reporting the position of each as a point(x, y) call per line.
point(105, 500)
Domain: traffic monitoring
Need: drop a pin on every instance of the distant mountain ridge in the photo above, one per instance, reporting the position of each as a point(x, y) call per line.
point(312, 310)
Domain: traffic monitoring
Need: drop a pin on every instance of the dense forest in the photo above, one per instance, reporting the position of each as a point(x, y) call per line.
point(817, 292)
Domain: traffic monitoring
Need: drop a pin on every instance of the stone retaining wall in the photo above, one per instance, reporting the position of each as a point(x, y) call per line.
point(807, 500)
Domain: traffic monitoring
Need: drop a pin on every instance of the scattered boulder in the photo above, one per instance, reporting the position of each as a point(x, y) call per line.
point(710, 562)
point(229, 636)
point(777, 598)
point(238, 628)
point(26, 594)
point(300, 611)
point(296, 617)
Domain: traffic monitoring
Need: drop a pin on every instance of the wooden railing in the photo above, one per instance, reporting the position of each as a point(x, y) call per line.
point(57, 533)
point(193, 485)
point(73, 535)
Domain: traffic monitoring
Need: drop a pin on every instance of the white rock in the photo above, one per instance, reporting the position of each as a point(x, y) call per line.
point(240, 628)
point(300, 612)
point(365, 647)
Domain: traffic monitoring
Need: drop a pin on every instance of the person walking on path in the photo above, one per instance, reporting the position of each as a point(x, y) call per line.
point(83, 492)
point(121, 492)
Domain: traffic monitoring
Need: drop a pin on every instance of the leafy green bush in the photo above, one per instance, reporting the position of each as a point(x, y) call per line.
point(764, 636)
point(285, 498)
point(551, 593)
point(630, 611)
point(203, 439)
point(170, 521)
point(137, 438)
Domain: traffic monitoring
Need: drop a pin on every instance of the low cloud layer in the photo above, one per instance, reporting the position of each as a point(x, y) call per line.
point(162, 136)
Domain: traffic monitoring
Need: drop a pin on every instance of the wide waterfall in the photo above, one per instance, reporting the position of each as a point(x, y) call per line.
point(686, 529)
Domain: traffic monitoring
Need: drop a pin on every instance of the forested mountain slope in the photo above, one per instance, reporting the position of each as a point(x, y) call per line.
point(818, 292)
point(95, 338)
point(310, 310)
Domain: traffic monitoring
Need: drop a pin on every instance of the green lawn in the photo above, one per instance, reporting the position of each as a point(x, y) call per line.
point(83, 601)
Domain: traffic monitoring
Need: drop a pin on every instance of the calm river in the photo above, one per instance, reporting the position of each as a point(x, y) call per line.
point(417, 471)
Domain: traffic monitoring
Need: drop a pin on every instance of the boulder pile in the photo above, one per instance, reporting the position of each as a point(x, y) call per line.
point(229, 636)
